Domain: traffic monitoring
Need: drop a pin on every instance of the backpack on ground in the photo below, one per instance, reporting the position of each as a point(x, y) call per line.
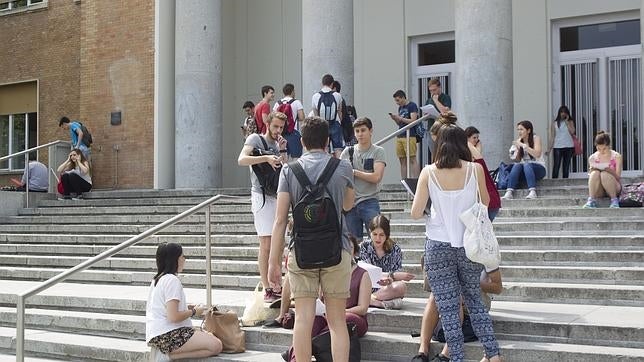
point(317, 230)
point(468, 331)
point(285, 107)
point(328, 106)
point(502, 176)
point(267, 176)
point(87, 136)
point(632, 195)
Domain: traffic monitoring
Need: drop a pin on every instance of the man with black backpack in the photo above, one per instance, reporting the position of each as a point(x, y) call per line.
point(265, 155)
point(318, 187)
point(327, 105)
point(81, 138)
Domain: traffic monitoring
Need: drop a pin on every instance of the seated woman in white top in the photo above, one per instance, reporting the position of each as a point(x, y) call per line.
point(604, 173)
point(168, 324)
point(75, 175)
point(530, 166)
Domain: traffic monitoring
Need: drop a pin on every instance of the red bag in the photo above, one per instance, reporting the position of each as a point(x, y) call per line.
point(579, 150)
point(60, 188)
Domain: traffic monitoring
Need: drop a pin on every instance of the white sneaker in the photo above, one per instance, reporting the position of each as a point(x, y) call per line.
point(393, 303)
point(532, 194)
point(509, 194)
point(157, 356)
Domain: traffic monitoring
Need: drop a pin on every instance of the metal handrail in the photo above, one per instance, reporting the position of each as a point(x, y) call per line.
point(26, 153)
point(400, 131)
point(20, 305)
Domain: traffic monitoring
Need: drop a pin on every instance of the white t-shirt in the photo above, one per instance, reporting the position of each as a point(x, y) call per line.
point(295, 107)
point(156, 318)
point(316, 98)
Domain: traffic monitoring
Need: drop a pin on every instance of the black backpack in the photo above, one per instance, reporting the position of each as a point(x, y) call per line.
point(317, 230)
point(327, 106)
point(347, 122)
point(87, 137)
point(267, 176)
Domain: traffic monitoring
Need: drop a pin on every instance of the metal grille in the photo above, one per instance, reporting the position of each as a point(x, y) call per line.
point(625, 104)
point(579, 85)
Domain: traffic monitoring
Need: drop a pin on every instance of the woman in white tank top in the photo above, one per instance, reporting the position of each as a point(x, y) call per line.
point(451, 186)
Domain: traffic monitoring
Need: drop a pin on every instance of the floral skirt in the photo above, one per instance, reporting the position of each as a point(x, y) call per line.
point(173, 340)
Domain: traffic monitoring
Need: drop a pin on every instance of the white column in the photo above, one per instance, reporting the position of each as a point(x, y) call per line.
point(164, 94)
point(327, 46)
point(641, 125)
point(484, 72)
point(198, 95)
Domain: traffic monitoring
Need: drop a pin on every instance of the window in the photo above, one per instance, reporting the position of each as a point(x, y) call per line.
point(441, 52)
point(19, 4)
point(600, 35)
point(16, 131)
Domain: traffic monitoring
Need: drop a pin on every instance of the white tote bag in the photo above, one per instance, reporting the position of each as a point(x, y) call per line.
point(479, 240)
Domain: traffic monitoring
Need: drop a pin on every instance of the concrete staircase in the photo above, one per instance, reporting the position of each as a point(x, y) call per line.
point(574, 278)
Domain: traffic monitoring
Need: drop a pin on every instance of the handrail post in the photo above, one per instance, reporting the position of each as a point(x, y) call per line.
point(27, 177)
point(408, 166)
point(20, 329)
point(208, 261)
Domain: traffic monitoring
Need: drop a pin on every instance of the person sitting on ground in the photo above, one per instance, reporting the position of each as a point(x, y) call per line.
point(168, 324)
point(357, 303)
point(604, 173)
point(490, 283)
point(474, 144)
point(75, 175)
point(38, 177)
point(531, 166)
point(383, 252)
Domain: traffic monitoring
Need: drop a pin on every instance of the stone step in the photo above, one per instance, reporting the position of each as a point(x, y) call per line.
point(12, 358)
point(501, 226)
point(576, 273)
point(538, 291)
point(121, 313)
point(510, 257)
point(509, 241)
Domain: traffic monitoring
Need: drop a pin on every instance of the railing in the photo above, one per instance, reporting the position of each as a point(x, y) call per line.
point(400, 131)
point(26, 153)
point(20, 318)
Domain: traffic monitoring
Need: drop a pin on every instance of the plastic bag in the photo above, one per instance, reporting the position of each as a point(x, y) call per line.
point(256, 311)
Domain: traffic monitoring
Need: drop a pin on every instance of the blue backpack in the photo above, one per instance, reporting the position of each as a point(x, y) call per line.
point(328, 106)
point(501, 176)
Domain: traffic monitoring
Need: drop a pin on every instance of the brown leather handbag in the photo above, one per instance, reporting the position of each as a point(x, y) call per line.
point(225, 326)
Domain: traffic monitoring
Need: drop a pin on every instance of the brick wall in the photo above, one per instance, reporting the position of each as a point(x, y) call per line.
point(117, 74)
point(90, 58)
point(44, 45)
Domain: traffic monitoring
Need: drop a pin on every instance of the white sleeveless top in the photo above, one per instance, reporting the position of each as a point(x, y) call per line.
point(563, 139)
point(444, 223)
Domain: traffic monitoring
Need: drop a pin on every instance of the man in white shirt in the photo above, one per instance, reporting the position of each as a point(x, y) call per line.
point(327, 104)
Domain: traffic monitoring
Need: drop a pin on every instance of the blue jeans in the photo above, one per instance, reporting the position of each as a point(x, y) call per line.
point(360, 216)
point(336, 139)
point(530, 172)
point(293, 144)
point(451, 274)
point(491, 213)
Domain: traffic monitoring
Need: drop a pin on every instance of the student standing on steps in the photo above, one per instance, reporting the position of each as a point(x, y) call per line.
point(452, 187)
point(263, 205)
point(368, 162)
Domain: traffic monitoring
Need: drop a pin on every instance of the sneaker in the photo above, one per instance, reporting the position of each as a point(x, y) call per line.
point(393, 303)
point(421, 357)
point(157, 356)
point(440, 358)
point(509, 194)
point(270, 296)
point(590, 204)
point(532, 194)
point(614, 203)
point(64, 198)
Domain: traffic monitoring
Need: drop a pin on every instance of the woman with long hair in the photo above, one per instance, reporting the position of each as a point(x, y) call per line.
point(530, 164)
point(604, 173)
point(383, 252)
point(474, 144)
point(451, 182)
point(168, 324)
point(75, 175)
point(562, 129)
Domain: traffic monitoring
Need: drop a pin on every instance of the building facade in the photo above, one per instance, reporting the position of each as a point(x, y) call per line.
point(178, 71)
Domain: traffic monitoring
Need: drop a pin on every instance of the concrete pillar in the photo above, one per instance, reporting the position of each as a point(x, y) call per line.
point(641, 126)
point(164, 94)
point(484, 73)
point(198, 95)
point(327, 46)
